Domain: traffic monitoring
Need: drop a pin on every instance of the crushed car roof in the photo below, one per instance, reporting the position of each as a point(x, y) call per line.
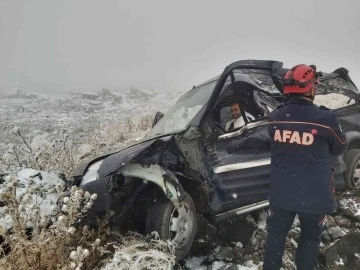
point(267, 75)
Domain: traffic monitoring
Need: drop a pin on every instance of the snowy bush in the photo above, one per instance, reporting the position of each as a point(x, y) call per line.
point(60, 151)
point(136, 252)
point(46, 238)
point(45, 152)
point(37, 233)
point(106, 135)
point(49, 236)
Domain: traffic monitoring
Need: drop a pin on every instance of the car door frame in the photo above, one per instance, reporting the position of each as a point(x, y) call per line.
point(218, 203)
point(236, 170)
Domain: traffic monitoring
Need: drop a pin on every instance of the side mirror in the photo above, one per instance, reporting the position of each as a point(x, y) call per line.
point(157, 118)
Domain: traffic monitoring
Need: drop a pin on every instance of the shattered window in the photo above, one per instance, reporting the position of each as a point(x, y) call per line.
point(261, 78)
point(183, 111)
point(333, 101)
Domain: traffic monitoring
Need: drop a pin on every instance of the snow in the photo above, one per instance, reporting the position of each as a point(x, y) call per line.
point(262, 220)
point(83, 150)
point(48, 181)
point(294, 242)
point(249, 266)
point(40, 141)
point(217, 265)
point(137, 254)
point(48, 116)
point(351, 204)
point(195, 263)
point(341, 262)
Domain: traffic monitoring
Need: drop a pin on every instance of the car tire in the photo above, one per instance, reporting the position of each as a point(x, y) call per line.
point(175, 224)
point(352, 174)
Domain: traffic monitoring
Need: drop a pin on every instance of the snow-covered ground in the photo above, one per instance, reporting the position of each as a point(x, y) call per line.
point(98, 118)
point(195, 263)
point(70, 112)
point(28, 179)
point(55, 133)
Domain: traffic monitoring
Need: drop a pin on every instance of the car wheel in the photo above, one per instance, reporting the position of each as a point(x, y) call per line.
point(178, 225)
point(352, 175)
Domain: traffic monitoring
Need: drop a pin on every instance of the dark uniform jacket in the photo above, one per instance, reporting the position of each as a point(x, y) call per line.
point(304, 136)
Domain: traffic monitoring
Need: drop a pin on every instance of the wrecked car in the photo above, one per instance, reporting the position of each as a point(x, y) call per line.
point(188, 165)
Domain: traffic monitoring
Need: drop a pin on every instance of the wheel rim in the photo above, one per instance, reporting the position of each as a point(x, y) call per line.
point(181, 224)
point(356, 176)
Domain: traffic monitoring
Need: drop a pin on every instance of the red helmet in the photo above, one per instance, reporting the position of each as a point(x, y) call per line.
point(300, 79)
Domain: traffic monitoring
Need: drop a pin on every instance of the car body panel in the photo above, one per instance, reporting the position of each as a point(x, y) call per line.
point(155, 174)
point(241, 166)
point(115, 161)
point(221, 170)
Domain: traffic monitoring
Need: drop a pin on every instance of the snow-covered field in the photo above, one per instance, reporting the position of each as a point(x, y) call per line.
point(48, 135)
point(42, 136)
point(78, 111)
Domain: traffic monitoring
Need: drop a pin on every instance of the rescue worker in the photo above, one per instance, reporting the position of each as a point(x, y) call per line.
point(304, 137)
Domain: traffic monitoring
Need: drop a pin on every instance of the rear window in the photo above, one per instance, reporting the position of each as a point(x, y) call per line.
point(333, 101)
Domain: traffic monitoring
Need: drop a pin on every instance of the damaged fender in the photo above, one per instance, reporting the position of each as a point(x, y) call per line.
point(158, 175)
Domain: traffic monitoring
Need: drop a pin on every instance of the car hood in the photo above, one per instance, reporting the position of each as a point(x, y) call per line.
point(113, 157)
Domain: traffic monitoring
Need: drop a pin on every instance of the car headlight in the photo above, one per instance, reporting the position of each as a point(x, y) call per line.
point(91, 173)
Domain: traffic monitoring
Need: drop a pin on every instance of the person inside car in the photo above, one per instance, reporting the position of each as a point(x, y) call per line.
point(304, 137)
point(237, 118)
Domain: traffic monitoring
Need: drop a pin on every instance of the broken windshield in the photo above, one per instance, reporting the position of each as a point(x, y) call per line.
point(183, 111)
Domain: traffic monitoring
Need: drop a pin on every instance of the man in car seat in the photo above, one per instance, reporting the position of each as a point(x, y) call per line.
point(303, 139)
point(237, 118)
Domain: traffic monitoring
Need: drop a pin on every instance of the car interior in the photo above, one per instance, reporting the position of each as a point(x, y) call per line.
point(246, 96)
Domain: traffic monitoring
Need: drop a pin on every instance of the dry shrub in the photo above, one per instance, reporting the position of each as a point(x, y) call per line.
point(55, 239)
point(136, 252)
point(45, 152)
point(105, 135)
point(38, 240)
point(139, 124)
point(60, 152)
point(136, 127)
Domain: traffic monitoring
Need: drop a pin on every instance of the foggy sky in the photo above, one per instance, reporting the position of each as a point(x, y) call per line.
point(167, 45)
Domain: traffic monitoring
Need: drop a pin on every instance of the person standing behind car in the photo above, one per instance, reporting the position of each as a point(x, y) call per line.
point(304, 137)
